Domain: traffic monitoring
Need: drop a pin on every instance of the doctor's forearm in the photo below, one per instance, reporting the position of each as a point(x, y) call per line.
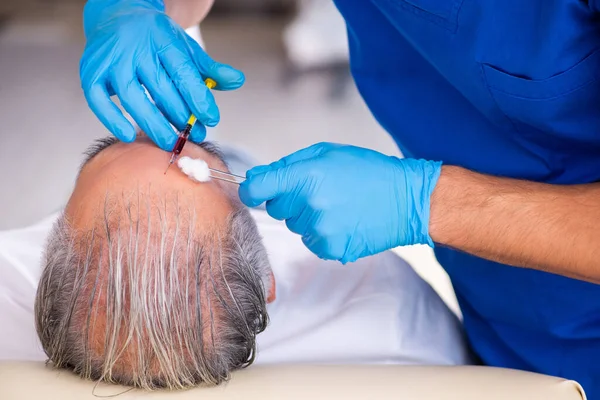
point(526, 224)
point(188, 13)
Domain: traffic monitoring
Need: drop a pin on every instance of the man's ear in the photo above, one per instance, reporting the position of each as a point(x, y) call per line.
point(271, 294)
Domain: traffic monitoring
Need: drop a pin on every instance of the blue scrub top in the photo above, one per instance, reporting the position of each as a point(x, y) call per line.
point(503, 87)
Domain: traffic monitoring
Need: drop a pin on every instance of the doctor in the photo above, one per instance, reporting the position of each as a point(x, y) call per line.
point(505, 94)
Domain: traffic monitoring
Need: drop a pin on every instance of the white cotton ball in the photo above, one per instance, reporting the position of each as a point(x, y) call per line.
point(195, 169)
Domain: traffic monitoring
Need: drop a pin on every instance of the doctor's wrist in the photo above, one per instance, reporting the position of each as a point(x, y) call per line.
point(452, 201)
point(188, 13)
point(415, 182)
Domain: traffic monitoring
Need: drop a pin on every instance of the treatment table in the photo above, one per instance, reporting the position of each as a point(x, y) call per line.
point(36, 381)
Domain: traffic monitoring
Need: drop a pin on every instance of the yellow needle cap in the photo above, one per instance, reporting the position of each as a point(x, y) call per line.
point(210, 83)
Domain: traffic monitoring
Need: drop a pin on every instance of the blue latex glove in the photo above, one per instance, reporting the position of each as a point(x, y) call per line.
point(346, 202)
point(131, 43)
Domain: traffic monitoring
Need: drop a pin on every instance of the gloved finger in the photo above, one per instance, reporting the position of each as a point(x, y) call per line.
point(315, 244)
point(110, 90)
point(227, 77)
point(108, 113)
point(148, 117)
point(164, 93)
point(325, 247)
point(300, 155)
point(350, 256)
point(198, 133)
point(285, 206)
point(301, 222)
point(185, 75)
point(168, 99)
point(260, 169)
point(263, 187)
point(304, 154)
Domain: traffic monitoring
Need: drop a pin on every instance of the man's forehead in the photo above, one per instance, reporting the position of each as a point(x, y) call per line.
point(126, 173)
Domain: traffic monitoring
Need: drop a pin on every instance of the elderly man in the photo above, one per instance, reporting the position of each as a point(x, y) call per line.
point(157, 281)
point(151, 280)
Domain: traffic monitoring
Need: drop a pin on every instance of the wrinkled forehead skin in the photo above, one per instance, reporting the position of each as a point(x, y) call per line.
point(126, 174)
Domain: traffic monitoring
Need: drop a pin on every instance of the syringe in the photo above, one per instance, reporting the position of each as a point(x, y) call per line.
point(185, 134)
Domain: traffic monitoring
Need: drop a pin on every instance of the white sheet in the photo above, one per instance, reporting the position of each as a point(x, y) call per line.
point(377, 310)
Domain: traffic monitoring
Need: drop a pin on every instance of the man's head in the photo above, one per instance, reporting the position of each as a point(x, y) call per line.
point(152, 280)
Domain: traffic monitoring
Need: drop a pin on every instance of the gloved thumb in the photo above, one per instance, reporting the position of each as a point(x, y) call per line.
point(266, 185)
point(227, 77)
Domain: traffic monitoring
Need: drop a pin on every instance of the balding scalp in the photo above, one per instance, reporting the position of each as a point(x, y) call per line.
point(151, 304)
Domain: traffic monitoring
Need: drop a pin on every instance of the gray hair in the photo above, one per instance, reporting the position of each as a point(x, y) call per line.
point(128, 305)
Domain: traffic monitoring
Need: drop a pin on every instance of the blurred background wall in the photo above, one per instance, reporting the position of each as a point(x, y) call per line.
point(298, 92)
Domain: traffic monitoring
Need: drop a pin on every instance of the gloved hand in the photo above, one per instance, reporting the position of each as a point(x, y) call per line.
point(346, 202)
point(131, 43)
